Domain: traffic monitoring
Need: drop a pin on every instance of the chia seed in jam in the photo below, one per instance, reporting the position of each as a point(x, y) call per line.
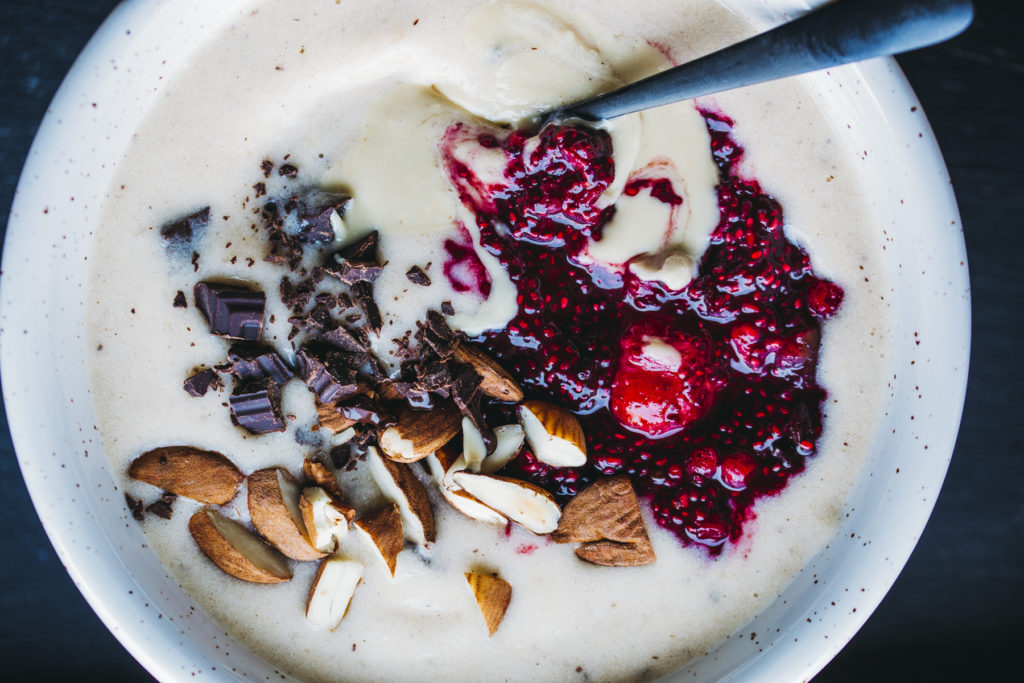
point(729, 407)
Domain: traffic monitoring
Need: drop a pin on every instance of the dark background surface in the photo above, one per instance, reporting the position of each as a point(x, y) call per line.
point(954, 613)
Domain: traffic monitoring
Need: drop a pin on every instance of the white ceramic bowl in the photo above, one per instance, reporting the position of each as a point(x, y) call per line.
point(46, 383)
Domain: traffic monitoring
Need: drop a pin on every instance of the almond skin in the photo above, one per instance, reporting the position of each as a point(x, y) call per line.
point(418, 433)
point(605, 517)
point(205, 476)
point(236, 550)
point(614, 554)
point(384, 528)
point(275, 518)
point(492, 595)
point(321, 475)
point(495, 381)
point(329, 418)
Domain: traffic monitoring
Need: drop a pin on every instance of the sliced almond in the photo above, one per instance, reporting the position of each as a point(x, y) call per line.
point(321, 475)
point(459, 499)
point(236, 550)
point(555, 435)
point(399, 485)
point(474, 450)
point(495, 381)
point(509, 442)
point(419, 433)
point(325, 517)
point(383, 528)
point(331, 593)
point(328, 417)
point(606, 518)
point(520, 501)
point(492, 597)
point(206, 476)
point(274, 510)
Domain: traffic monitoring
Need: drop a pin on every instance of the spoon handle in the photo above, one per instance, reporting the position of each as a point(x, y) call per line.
point(841, 32)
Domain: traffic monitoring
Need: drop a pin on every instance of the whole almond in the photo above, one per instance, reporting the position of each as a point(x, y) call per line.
point(205, 476)
point(495, 381)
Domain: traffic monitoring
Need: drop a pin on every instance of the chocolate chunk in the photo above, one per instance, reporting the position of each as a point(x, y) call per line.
point(417, 276)
point(184, 230)
point(317, 215)
point(179, 300)
point(250, 362)
point(353, 342)
point(447, 308)
point(135, 506)
point(436, 334)
point(260, 189)
point(351, 272)
point(363, 250)
point(288, 170)
point(362, 293)
point(331, 375)
point(256, 406)
point(200, 382)
point(164, 507)
point(267, 166)
point(233, 312)
point(465, 388)
point(295, 296)
point(284, 248)
point(364, 411)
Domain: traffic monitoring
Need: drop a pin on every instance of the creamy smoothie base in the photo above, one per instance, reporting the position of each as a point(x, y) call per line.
point(330, 86)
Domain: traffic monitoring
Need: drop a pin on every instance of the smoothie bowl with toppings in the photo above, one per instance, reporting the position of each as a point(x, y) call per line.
point(350, 374)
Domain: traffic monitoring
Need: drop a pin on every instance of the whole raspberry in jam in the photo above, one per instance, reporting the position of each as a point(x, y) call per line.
point(665, 379)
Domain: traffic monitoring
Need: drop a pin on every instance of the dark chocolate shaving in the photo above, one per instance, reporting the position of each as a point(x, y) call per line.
point(365, 411)
point(447, 308)
point(251, 362)
point(233, 312)
point(200, 382)
point(315, 215)
point(319, 318)
point(363, 250)
point(331, 375)
point(135, 506)
point(284, 248)
point(288, 170)
point(179, 300)
point(362, 294)
point(417, 276)
point(351, 272)
point(267, 165)
point(296, 296)
point(256, 406)
point(341, 338)
point(163, 508)
point(184, 230)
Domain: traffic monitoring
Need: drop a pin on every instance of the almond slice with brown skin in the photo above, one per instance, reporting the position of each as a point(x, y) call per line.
point(236, 550)
point(328, 417)
point(555, 435)
point(206, 476)
point(418, 433)
point(274, 510)
point(459, 499)
point(493, 594)
point(326, 519)
point(520, 501)
point(606, 518)
point(331, 594)
point(495, 381)
point(383, 528)
point(399, 485)
point(321, 475)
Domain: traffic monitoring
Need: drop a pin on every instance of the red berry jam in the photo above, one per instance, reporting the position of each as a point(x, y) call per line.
point(705, 396)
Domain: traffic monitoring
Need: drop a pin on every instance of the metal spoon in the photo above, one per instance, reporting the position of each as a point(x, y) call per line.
point(838, 33)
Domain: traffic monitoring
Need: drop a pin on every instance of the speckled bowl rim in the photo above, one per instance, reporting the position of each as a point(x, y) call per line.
point(42, 358)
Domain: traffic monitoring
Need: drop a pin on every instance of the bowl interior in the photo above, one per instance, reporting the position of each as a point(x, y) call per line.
point(46, 382)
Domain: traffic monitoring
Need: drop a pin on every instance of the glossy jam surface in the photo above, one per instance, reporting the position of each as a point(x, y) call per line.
point(706, 396)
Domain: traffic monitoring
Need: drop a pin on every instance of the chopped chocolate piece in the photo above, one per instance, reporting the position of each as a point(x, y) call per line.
point(351, 272)
point(185, 229)
point(345, 340)
point(179, 300)
point(267, 167)
point(319, 214)
point(364, 411)
point(284, 248)
point(256, 406)
point(260, 189)
point(135, 506)
point(447, 308)
point(233, 312)
point(295, 296)
point(341, 455)
point(331, 375)
point(318, 318)
point(417, 276)
point(195, 261)
point(363, 250)
point(436, 334)
point(200, 382)
point(288, 170)
point(164, 507)
point(362, 293)
point(250, 362)
point(465, 388)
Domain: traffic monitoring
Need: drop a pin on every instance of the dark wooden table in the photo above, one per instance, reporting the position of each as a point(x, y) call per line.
point(954, 613)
